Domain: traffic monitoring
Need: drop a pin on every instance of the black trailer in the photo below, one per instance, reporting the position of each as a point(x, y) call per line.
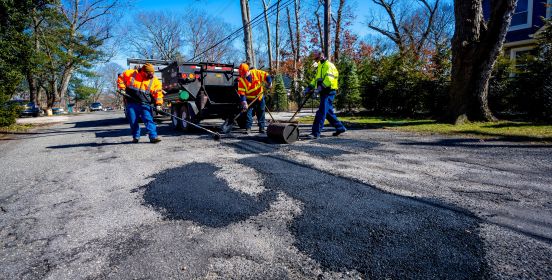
point(198, 91)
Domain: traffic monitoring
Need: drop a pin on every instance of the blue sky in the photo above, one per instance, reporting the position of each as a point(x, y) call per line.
point(229, 11)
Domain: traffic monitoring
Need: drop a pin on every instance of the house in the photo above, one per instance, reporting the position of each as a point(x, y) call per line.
point(526, 21)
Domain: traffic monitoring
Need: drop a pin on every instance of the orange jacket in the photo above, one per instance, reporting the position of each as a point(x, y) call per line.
point(255, 87)
point(133, 79)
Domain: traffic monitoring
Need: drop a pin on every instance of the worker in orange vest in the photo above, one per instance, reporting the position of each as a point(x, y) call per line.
point(250, 85)
point(143, 89)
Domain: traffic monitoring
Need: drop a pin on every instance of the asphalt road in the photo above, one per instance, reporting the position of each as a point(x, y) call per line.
point(79, 201)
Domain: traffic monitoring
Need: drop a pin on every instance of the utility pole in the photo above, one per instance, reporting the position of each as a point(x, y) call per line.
point(327, 18)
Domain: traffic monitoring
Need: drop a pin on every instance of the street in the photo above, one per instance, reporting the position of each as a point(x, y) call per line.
point(78, 200)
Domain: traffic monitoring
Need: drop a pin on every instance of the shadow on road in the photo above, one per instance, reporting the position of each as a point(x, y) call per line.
point(343, 225)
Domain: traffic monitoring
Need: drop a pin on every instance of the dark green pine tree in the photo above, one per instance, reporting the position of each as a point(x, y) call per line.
point(348, 97)
point(280, 95)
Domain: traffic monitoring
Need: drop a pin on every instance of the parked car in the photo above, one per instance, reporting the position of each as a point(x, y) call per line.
point(58, 111)
point(96, 106)
point(27, 108)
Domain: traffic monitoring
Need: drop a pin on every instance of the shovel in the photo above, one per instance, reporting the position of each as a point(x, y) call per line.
point(228, 125)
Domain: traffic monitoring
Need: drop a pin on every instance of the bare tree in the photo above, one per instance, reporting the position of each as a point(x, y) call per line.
point(475, 48)
point(269, 43)
point(277, 39)
point(337, 41)
point(156, 35)
point(206, 32)
point(409, 29)
point(247, 32)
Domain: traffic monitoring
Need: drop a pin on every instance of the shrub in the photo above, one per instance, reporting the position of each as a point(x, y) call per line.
point(8, 113)
point(400, 85)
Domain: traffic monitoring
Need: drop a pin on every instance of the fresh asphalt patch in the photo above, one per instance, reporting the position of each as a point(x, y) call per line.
point(344, 225)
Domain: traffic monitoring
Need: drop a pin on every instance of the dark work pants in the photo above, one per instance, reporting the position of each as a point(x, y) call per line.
point(326, 112)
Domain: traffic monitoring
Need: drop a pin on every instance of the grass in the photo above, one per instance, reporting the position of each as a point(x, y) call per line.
point(506, 130)
point(15, 128)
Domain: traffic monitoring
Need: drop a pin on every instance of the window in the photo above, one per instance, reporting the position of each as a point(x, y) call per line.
point(523, 14)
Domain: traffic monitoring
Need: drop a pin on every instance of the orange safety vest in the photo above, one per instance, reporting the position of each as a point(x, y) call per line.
point(131, 80)
point(253, 88)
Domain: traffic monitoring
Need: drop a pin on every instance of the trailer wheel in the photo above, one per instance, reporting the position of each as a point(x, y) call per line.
point(185, 112)
point(176, 124)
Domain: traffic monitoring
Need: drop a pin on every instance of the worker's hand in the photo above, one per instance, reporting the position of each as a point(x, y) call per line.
point(244, 106)
point(317, 92)
point(158, 108)
point(268, 85)
point(319, 82)
point(307, 90)
point(120, 91)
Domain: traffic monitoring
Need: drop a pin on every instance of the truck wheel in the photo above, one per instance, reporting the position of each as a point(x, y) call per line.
point(176, 123)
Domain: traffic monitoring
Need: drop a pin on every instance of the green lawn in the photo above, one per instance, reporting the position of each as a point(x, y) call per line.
point(502, 129)
point(14, 128)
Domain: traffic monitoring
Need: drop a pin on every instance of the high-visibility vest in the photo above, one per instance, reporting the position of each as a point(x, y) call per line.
point(255, 87)
point(132, 81)
point(329, 75)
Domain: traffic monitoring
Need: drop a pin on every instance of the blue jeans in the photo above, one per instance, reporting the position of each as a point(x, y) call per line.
point(143, 111)
point(259, 107)
point(326, 111)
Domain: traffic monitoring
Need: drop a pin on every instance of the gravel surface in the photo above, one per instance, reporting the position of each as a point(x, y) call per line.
point(79, 201)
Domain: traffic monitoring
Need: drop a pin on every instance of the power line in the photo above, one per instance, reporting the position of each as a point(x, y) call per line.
point(253, 23)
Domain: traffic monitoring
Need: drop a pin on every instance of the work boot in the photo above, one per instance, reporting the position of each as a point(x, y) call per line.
point(155, 140)
point(338, 132)
point(262, 130)
point(135, 140)
point(247, 131)
point(312, 136)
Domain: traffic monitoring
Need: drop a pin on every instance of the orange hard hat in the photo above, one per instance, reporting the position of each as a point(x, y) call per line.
point(244, 68)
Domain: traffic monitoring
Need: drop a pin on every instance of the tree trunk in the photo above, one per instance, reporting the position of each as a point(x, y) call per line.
point(337, 45)
point(291, 39)
point(294, 52)
point(297, 27)
point(320, 35)
point(247, 32)
point(278, 37)
point(327, 27)
point(269, 43)
point(475, 48)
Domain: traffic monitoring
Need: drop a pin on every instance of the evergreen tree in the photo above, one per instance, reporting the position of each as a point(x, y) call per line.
point(280, 95)
point(349, 92)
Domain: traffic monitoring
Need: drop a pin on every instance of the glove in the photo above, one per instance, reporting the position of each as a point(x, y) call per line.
point(307, 90)
point(158, 108)
point(120, 91)
point(159, 101)
point(268, 86)
point(319, 82)
point(244, 106)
